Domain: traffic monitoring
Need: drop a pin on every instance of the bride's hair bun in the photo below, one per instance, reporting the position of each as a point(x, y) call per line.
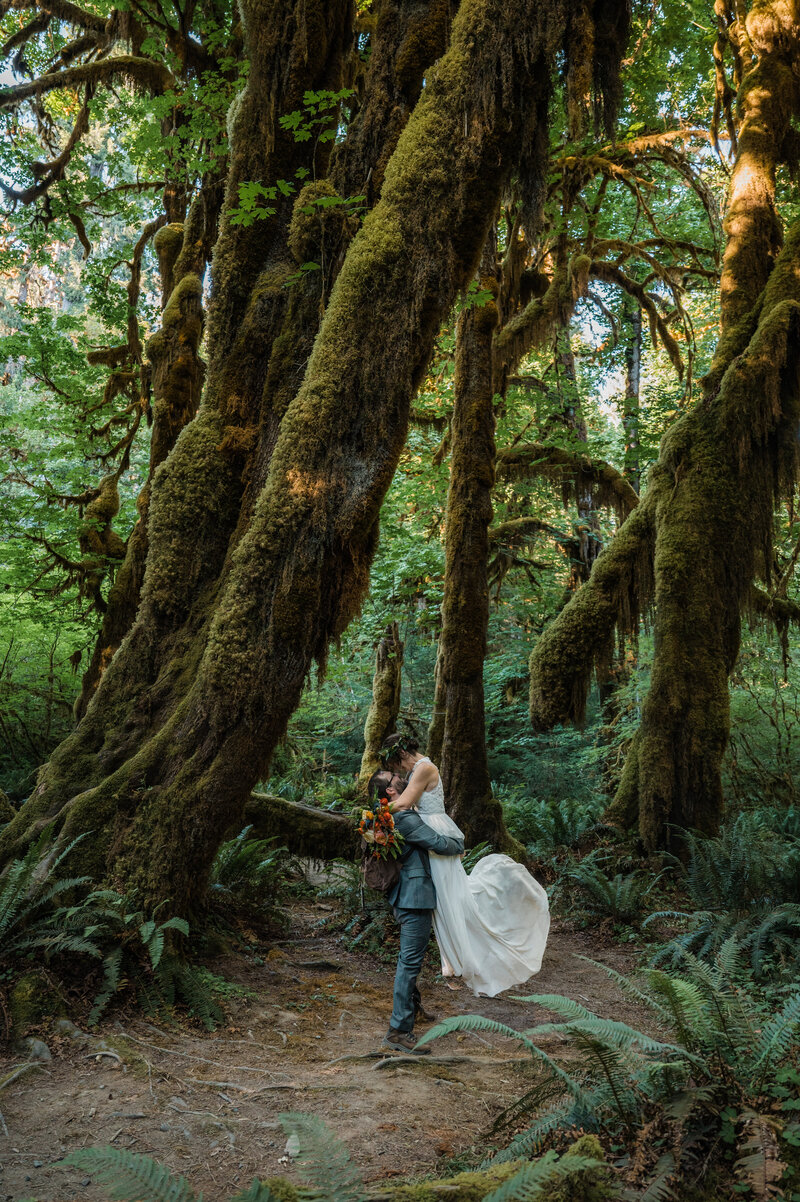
point(394, 746)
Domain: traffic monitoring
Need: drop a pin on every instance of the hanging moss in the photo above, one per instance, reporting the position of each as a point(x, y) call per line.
point(405, 41)
point(578, 475)
point(707, 516)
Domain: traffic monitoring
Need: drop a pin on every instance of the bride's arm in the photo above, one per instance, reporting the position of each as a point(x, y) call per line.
point(422, 778)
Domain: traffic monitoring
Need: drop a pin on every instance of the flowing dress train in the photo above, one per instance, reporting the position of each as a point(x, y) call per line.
point(491, 925)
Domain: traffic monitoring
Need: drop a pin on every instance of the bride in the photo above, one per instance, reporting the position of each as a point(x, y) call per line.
point(491, 925)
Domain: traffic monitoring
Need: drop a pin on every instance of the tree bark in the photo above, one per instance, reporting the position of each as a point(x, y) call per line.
point(187, 715)
point(465, 608)
point(385, 705)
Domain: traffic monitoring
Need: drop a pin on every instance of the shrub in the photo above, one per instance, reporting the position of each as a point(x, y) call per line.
point(718, 1097)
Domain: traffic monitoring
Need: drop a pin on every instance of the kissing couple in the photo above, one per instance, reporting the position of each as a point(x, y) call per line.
point(491, 925)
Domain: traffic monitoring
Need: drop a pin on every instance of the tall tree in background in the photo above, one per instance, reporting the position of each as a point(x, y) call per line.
point(703, 531)
point(465, 609)
point(262, 520)
point(385, 704)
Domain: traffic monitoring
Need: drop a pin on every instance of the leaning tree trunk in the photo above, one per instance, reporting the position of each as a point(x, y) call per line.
point(188, 713)
point(465, 607)
point(385, 705)
point(705, 523)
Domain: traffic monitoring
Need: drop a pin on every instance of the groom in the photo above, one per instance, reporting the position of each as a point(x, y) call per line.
point(413, 900)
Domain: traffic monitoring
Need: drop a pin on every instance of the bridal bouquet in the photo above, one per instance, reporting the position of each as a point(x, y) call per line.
point(377, 829)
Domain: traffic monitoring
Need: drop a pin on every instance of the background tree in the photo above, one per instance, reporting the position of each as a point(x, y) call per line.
point(703, 531)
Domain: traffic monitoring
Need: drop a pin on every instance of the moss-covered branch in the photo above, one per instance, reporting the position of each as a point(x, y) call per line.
point(578, 474)
point(779, 610)
point(144, 72)
point(304, 830)
point(582, 636)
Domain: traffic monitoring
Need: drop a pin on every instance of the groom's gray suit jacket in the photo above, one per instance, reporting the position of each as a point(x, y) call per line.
point(415, 889)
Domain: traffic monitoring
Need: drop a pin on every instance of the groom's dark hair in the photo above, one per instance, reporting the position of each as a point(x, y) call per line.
point(376, 786)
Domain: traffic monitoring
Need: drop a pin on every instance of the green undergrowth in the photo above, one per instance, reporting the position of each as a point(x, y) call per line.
point(710, 1103)
point(580, 1175)
point(55, 927)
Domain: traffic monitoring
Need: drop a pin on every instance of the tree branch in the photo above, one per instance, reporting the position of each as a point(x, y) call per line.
point(304, 830)
point(608, 485)
point(142, 71)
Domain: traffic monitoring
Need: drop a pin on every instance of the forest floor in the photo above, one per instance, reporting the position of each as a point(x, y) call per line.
point(304, 1034)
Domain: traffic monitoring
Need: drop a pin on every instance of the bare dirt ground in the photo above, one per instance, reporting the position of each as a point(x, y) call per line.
point(307, 1039)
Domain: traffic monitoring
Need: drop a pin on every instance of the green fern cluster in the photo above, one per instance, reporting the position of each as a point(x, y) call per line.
point(546, 825)
point(706, 1088)
point(621, 897)
point(32, 921)
point(364, 915)
point(742, 885)
point(37, 919)
point(249, 867)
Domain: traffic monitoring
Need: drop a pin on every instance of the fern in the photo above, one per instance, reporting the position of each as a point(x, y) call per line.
point(724, 1052)
point(476, 1022)
point(744, 884)
point(777, 1037)
point(132, 1177)
point(324, 1159)
point(528, 1184)
point(760, 1164)
point(254, 868)
point(620, 897)
point(111, 979)
point(475, 854)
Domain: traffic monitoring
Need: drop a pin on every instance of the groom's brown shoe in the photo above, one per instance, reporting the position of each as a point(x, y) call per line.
point(404, 1041)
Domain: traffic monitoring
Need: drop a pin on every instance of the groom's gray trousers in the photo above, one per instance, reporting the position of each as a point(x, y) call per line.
point(415, 931)
point(413, 900)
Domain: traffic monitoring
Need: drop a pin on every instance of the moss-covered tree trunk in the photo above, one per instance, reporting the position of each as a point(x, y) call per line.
point(588, 528)
point(385, 705)
point(247, 584)
point(439, 711)
point(465, 607)
point(632, 317)
point(705, 523)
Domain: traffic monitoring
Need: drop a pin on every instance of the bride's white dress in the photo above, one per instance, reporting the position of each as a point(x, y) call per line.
point(492, 925)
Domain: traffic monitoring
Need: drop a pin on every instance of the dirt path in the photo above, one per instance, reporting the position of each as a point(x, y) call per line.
point(307, 1040)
